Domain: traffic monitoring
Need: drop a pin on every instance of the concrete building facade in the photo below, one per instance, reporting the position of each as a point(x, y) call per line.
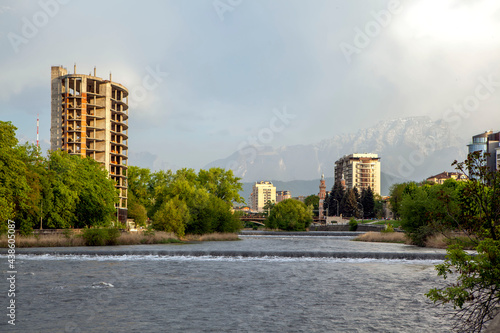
point(262, 192)
point(89, 117)
point(487, 142)
point(283, 195)
point(359, 170)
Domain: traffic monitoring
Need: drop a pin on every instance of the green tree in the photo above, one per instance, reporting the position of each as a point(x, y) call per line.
point(368, 202)
point(140, 189)
point(268, 207)
point(378, 208)
point(84, 196)
point(476, 293)
point(349, 203)
point(474, 290)
point(137, 211)
point(172, 216)
point(335, 198)
point(14, 187)
point(221, 183)
point(396, 196)
point(291, 215)
point(313, 201)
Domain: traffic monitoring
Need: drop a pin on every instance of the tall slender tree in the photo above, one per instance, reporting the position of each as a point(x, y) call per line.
point(368, 202)
point(335, 199)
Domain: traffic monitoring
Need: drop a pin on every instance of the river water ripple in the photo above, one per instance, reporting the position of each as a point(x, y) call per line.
point(258, 284)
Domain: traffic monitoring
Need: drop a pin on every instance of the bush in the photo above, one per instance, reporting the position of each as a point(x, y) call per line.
point(101, 236)
point(353, 224)
point(388, 228)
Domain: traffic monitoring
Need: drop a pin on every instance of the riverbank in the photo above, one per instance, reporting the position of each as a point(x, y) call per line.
point(438, 241)
point(71, 239)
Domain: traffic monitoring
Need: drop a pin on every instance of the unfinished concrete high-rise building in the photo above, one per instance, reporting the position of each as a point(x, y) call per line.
point(89, 117)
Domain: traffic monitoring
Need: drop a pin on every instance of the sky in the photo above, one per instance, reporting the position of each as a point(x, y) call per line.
point(209, 77)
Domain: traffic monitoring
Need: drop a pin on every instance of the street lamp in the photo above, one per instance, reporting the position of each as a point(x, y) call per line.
point(338, 213)
point(362, 211)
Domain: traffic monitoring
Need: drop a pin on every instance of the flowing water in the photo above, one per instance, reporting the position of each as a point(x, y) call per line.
point(259, 284)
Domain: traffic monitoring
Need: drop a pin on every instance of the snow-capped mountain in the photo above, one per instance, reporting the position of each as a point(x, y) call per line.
point(410, 149)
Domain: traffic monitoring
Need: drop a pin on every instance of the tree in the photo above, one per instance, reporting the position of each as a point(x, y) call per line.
point(313, 201)
point(221, 183)
point(268, 207)
point(140, 189)
point(476, 293)
point(14, 187)
point(83, 194)
point(137, 211)
point(290, 215)
point(172, 216)
point(396, 196)
point(378, 208)
point(475, 288)
point(368, 202)
point(349, 203)
point(335, 198)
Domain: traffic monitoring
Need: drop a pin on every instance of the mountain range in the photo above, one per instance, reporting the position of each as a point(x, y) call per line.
point(411, 148)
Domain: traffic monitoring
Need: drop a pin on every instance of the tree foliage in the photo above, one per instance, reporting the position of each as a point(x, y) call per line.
point(290, 215)
point(349, 203)
point(368, 202)
point(476, 293)
point(208, 196)
point(474, 208)
point(313, 202)
point(57, 191)
point(172, 217)
point(334, 199)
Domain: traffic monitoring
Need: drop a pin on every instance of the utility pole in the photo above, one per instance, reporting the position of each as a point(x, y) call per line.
point(41, 214)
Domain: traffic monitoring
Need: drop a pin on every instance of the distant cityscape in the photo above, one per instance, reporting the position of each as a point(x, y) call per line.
point(89, 117)
point(363, 171)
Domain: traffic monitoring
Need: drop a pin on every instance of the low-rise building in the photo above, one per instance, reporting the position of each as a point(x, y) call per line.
point(283, 195)
point(440, 178)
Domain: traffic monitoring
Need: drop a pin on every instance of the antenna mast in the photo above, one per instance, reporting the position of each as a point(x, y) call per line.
point(37, 132)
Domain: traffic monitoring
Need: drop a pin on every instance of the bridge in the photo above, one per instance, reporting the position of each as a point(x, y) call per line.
point(260, 220)
point(253, 219)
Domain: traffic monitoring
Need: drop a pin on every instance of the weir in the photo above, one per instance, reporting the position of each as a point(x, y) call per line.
point(243, 254)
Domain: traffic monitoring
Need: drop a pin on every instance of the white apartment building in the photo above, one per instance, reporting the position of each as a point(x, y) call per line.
point(359, 170)
point(262, 192)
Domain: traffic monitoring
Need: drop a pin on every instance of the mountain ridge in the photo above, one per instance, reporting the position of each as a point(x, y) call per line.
point(411, 148)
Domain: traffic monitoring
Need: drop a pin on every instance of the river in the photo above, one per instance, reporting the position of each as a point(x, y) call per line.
point(259, 284)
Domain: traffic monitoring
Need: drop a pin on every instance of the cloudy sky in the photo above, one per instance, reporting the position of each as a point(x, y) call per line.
point(207, 76)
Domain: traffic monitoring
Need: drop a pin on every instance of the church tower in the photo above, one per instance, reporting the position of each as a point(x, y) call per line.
point(321, 195)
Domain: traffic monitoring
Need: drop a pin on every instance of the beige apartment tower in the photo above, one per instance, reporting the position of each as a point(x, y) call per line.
point(262, 192)
point(89, 117)
point(360, 171)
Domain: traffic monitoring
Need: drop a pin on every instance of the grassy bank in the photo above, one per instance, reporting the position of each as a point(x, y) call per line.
point(384, 237)
point(439, 241)
point(128, 238)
